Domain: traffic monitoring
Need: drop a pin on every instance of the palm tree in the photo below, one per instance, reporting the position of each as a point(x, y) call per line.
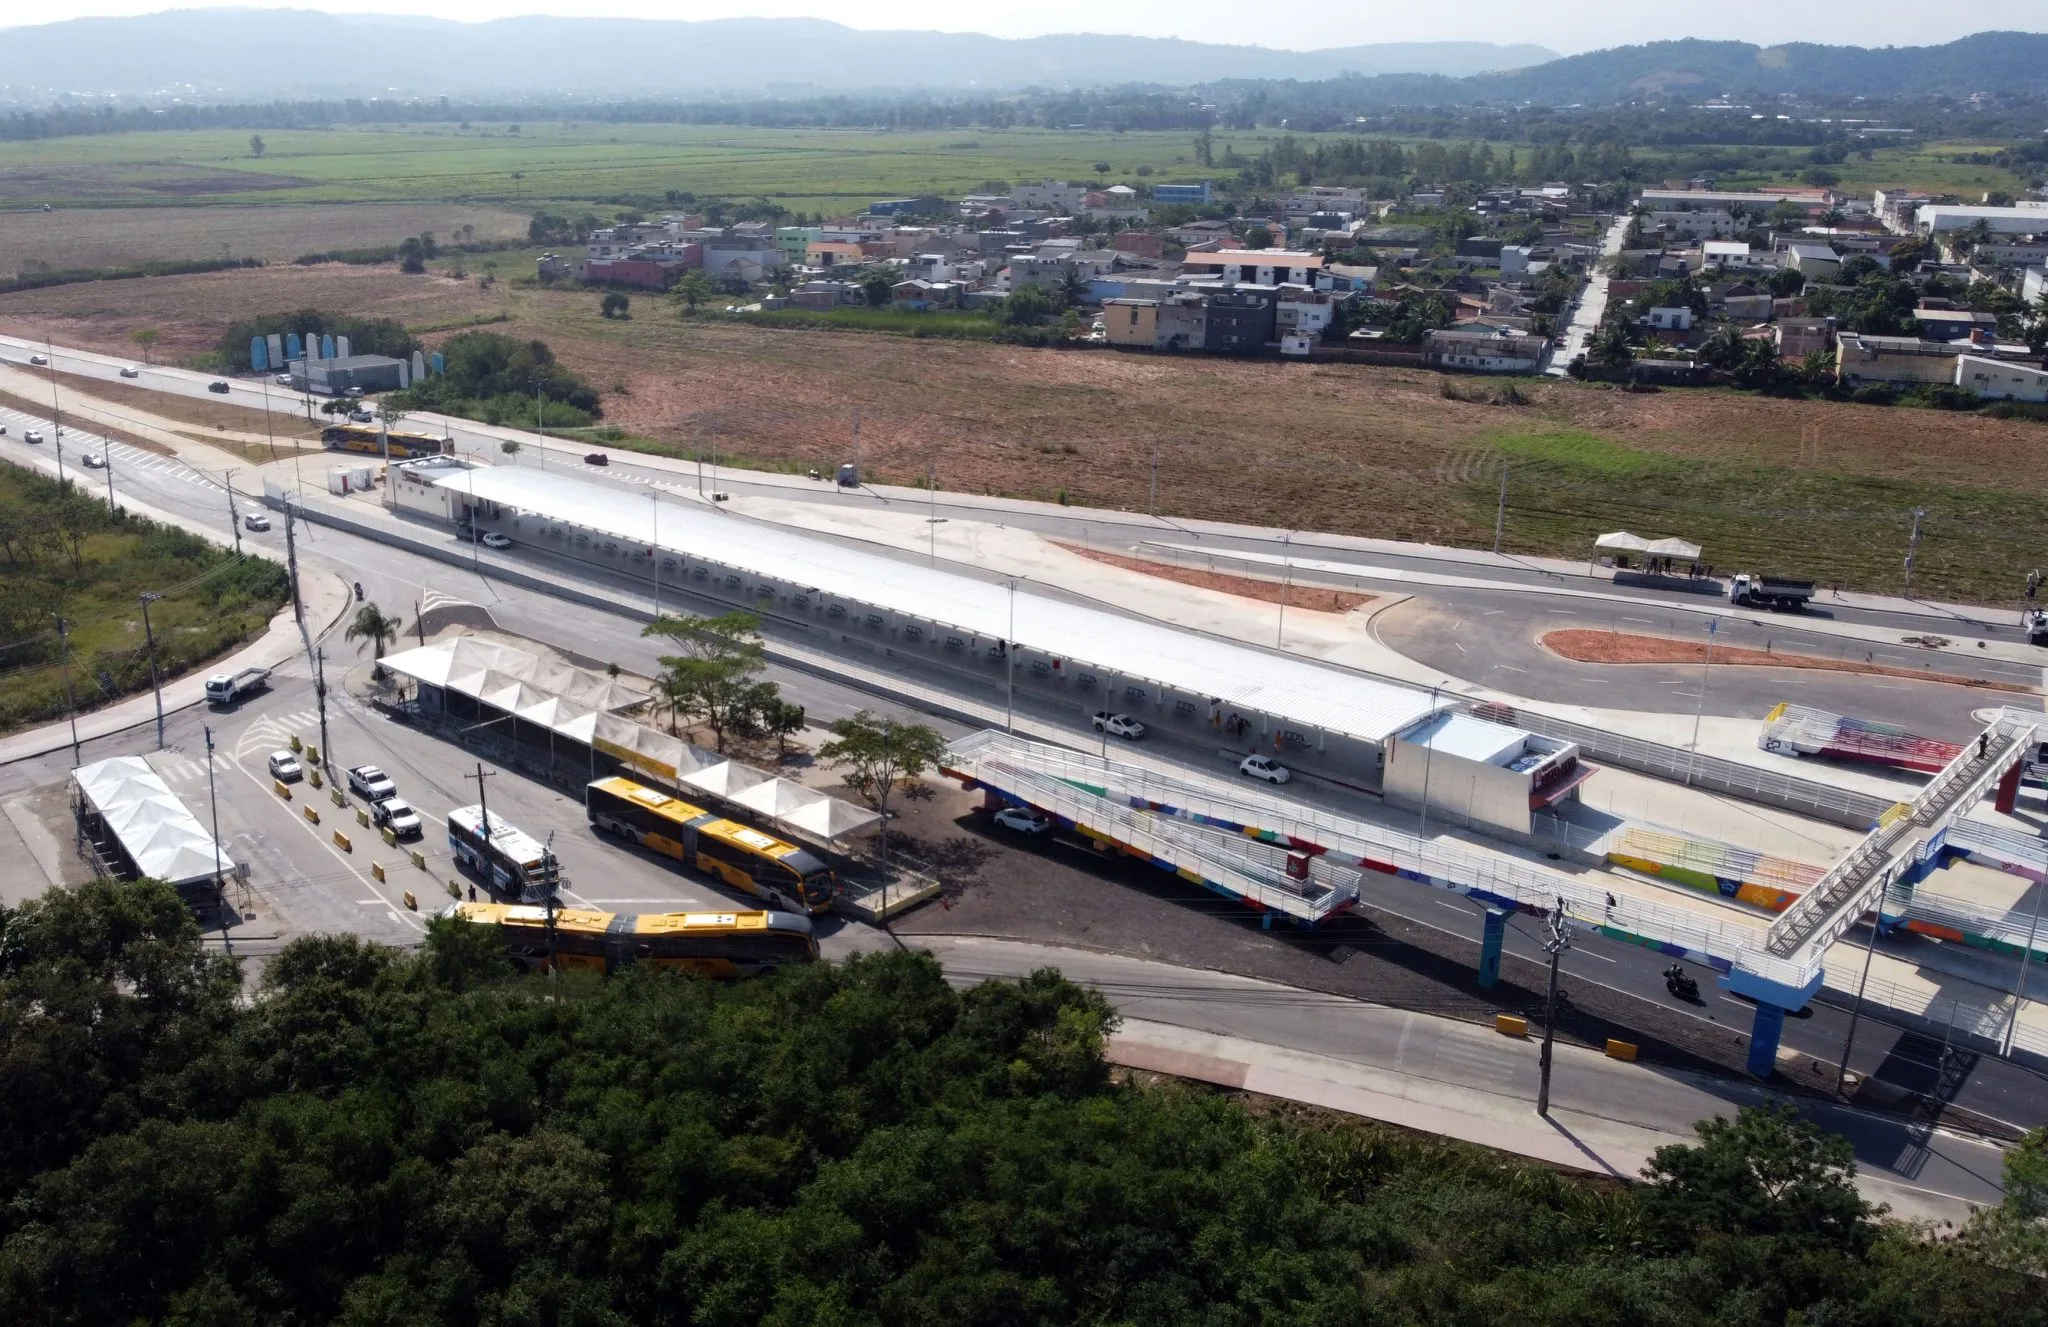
point(1073, 289)
point(1610, 347)
point(371, 625)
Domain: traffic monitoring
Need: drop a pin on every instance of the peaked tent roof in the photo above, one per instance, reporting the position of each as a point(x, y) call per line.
point(162, 837)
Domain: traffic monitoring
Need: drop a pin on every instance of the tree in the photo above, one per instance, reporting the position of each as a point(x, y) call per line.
point(1072, 291)
point(878, 754)
point(1770, 1172)
point(782, 720)
point(509, 446)
point(412, 256)
point(1610, 348)
point(2014, 1234)
point(1724, 349)
point(693, 289)
point(372, 625)
point(145, 339)
point(1908, 254)
point(711, 675)
point(877, 288)
point(1258, 237)
point(1785, 282)
point(255, 145)
point(1027, 306)
point(614, 304)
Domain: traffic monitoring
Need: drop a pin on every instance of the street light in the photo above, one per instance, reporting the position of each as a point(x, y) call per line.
point(70, 705)
point(149, 597)
point(1286, 568)
point(1693, 753)
point(1010, 668)
point(1555, 943)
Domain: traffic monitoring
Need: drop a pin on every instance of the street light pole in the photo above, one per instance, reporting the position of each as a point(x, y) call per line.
point(654, 551)
point(1693, 752)
point(1286, 569)
point(1856, 1010)
point(234, 517)
point(1428, 759)
point(70, 705)
point(213, 801)
point(56, 410)
point(1010, 665)
point(149, 597)
point(1913, 547)
point(1555, 943)
point(1500, 512)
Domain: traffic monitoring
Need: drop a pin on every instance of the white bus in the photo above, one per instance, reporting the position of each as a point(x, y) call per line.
point(510, 860)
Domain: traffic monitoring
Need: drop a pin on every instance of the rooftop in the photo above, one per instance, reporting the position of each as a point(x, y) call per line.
point(1310, 694)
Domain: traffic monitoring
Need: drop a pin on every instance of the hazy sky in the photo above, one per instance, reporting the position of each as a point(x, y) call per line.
point(1576, 25)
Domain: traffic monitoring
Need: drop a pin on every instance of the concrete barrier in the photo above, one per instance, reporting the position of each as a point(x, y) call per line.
point(362, 817)
point(1620, 1050)
point(313, 815)
point(390, 836)
point(340, 798)
point(341, 842)
point(412, 904)
point(376, 870)
point(312, 754)
point(419, 858)
point(284, 789)
point(297, 745)
point(454, 890)
point(313, 777)
point(1511, 1025)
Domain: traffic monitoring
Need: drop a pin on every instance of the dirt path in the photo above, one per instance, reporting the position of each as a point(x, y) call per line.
point(1615, 647)
point(1245, 587)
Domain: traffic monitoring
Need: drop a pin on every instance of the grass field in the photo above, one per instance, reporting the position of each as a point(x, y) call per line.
point(806, 170)
point(65, 553)
point(1764, 483)
point(110, 237)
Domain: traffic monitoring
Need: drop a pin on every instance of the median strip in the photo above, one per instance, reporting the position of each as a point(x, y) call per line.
point(1617, 647)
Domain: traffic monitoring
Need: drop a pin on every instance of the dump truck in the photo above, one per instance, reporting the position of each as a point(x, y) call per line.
point(227, 688)
point(1778, 592)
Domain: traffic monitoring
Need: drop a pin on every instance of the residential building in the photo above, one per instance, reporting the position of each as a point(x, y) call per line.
point(1183, 321)
point(1816, 262)
point(1799, 337)
point(1898, 209)
point(1256, 267)
point(731, 253)
point(795, 242)
point(1676, 319)
point(1514, 259)
point(1240, 320)
point(831, 253)
point(1197, 232)
point(824, 294)
point(1483, 348)
point(646, 274)
point(1704, 224)
point(1756, 308)
point(1695, 200)
point(1131, 322)
point(1861, 359)
point(1303, 311)
point(2001, 380)
point(2034, 286)
point(1181, 193)
point(1733, 256)
point(1141, 243)
point(1347, 277)
point(2011, 255)
point(1050, 196)
point(1955, 324)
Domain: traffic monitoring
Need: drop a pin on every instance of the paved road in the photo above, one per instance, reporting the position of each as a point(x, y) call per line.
point(1592, 305)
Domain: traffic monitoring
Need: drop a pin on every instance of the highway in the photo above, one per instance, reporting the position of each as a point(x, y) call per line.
point(396, 580)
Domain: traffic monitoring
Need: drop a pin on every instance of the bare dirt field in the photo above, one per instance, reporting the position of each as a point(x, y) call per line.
point(1617, 647)
point(1798, 487)
point(114, 236)
point(1245, 587)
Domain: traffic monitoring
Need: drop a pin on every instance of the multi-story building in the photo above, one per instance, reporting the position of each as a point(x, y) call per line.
point(1483, 349)
point(1181, 193)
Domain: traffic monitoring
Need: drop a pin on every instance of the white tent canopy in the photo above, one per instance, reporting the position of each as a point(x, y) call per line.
point(160, 836)
point(1621, 541)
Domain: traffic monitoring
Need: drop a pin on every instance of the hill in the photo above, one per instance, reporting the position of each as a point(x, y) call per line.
point(243, 53)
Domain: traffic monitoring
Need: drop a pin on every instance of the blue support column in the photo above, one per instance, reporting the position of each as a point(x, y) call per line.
point(1489, 946)
point(1763, 1040)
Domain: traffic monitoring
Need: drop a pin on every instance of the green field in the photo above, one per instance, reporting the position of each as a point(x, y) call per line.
point(803, 169)
point(64, 553)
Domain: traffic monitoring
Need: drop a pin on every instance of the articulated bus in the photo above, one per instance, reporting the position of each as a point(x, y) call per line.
point(366, 439)
point(741, 856)
point(510, 860)
point(709, 944)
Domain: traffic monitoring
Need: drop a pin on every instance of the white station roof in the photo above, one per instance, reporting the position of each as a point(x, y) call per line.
point(1304, 693)
point(159, 835)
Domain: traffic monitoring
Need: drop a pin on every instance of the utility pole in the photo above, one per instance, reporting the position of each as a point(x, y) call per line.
point(149, 597)
point(550, 902)
point(107, 460)
point(214, 802)
point(1555, 943)
point(234, 517)
point(1010, 664)
point(320, 697)
point(931, 520)
point(1428, 760)
point(418, 623)
point(1152, 490)
point(483, 807)
point(56, 410)
point(291, 563)
point(70, 705)
point(540, 423)
point(654, 551)
point(1500, 511)
point(858, 477)
point(1856, 1010)
point(1913, 547)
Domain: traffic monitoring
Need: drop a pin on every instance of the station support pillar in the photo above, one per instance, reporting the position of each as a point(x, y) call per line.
point(1764, 1035)
point(1489, 946)
point(2009, 791)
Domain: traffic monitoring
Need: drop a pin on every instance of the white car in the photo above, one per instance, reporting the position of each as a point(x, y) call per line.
point(1264, 767)
point(496, 540)
point(1023, 820)
point(130, 371)
point(39, 360)
point(1118, 725)
point(283, 379)
point(257, 521)
point(93, 461)
point(285, 767)
point(32, 435)
point(372, 784)
point(396, 815)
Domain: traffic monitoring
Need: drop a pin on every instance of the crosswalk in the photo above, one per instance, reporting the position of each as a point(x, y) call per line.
point(123, 458)
point(274, 733)
point(176, 768)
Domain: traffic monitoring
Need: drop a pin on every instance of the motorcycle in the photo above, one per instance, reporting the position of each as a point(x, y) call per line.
point(1681, 985)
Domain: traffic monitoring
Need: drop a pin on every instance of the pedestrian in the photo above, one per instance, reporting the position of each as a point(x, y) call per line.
point(1983, 744)
point(472, 893)
point(1610, 905)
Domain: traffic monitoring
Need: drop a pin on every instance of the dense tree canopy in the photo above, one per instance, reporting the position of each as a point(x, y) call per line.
point(383, 1138)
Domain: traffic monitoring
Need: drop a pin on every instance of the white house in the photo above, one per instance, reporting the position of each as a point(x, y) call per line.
point(2000, 381)
point(1710, 224)
point(1670, 319)
point(1734, 256)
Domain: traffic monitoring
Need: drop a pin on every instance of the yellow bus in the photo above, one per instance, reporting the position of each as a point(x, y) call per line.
point(709, 944)
point(367, 440)
point(740, 855)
